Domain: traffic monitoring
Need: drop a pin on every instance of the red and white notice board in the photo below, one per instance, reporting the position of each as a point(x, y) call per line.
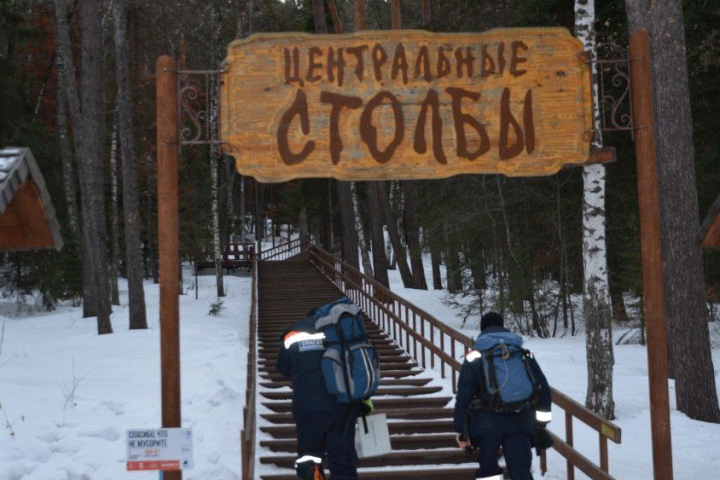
point(160, 449)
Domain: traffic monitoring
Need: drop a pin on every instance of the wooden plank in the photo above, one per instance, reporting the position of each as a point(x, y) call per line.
point(406, 104)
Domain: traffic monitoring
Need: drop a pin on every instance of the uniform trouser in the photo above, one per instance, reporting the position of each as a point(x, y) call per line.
point(331, 437)
point(516, 449)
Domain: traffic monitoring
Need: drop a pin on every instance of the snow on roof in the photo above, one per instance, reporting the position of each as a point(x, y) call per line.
point(17, 166)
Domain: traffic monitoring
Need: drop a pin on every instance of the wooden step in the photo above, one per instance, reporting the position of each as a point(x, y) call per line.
point(396, 427)
point(383, 391)
point(401, 458)
point(380, 403)
point(271, 374)
point(419, 382)
point(420, 472)
point(398, 442)
point(411, 413)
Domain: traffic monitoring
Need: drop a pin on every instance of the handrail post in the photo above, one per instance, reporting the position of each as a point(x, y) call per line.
point(569, 441)
point(603, 453)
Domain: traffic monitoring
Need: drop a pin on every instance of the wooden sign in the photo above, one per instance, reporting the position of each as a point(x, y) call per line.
point(406, 104)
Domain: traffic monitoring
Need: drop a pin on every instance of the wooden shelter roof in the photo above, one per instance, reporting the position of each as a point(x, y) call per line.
point(710, 228)
point(27, 216)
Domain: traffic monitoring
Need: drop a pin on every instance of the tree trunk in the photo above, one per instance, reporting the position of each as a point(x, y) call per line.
point(412, 235)
point(230, 171)
point(114, 218)
point(394, 235)
point(65, 56)
point(617, 301)
point(241, 209)
point(65, 149)
point(436, 258)
point(377, 237)
point(685, 309)
point(319, 16)
point(362, 236)
point(452, 265)
point(131, 209)
point(214, 151)
point(91, 159)
point(596, 298)
point(349, 235)
point(326, 224)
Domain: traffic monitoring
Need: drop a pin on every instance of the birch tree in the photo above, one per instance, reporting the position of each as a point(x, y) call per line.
point(214, 151)
point(114, 218)
point(596, 295)
point(377, 237)
point(362, 237)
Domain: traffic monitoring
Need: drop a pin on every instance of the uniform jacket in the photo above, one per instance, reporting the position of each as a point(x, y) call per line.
point(300, 360)
point(472, 379)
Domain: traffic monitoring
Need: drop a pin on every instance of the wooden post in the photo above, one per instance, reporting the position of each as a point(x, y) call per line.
point(653, 287)
point(168, 243)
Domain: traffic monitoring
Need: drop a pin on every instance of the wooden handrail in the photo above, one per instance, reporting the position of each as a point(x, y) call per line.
point(411, 326)
point(285, 250)
point(247, 436)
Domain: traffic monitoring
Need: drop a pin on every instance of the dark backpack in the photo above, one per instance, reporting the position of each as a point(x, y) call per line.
point(350, 363)
point(510, 384)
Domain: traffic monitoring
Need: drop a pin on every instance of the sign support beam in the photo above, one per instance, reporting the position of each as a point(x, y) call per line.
point(653, 287)
point(168, 243)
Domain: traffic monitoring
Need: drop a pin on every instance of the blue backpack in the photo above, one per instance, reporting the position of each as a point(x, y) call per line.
point(510, 384)
point(350, 363)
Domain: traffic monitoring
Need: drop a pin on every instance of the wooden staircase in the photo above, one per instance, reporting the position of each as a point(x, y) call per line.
point(417, 406)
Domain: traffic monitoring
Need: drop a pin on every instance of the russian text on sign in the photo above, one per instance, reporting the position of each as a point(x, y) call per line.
point(406, 104)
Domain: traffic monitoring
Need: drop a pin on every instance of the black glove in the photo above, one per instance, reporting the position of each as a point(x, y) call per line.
point(541, 439)
point(366, 407)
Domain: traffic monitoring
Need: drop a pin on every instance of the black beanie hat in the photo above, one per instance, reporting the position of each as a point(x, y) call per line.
point(491, 319)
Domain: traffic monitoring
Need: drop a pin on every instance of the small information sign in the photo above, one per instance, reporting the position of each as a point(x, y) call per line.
point(160, 449)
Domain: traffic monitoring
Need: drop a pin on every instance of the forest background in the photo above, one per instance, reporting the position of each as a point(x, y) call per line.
point(77, 85)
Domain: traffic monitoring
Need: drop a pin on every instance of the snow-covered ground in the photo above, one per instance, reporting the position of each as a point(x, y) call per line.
point(68, 396)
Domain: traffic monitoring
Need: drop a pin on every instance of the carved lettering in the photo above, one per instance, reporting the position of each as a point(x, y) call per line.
point(292, 66)
point(443, 64)
point(298, 108)
point(313, 65)
point(466, 60)
point(524, 139)
point(369, 133)
point(400, 64)
point(422, 64)
point(335, 64)
point(461, 119)
point(515, 130)
point(515, 59)
point(487, 64)
point(359, 63)
point(431, 101)
point(379, 57)
point(338, 102)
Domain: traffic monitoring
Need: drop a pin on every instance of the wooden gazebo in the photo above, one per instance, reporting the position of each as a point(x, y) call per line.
point(27, 216)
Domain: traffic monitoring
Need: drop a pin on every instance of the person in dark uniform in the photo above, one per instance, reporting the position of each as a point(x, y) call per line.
point(325, 427)
point(489, 430)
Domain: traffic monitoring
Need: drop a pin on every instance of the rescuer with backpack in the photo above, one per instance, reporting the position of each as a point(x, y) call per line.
point(503, 400)
point(333, 370)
